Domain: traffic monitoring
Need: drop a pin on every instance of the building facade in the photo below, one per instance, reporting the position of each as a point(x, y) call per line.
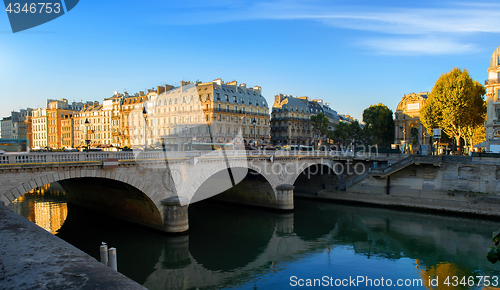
point(291, 120)
point(56, 111)
point(39, 128)
point(6, 127)
point(492, 85)
point(211, 112)
point(20, 124)
point(408, 128)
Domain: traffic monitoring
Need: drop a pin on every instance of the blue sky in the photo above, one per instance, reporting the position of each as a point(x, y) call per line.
point(351, 56)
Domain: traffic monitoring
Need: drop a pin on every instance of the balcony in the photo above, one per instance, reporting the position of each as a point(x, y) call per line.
point(241, 112)
point(492, 81)
point(290, 119)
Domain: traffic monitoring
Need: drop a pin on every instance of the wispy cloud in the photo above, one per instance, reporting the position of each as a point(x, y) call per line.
point(417, 46)
point(406, 30)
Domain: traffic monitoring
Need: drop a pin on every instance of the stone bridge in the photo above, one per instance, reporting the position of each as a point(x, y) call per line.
point(154, 188)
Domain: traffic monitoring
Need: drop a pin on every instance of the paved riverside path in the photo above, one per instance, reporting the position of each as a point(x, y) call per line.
point(32, 258)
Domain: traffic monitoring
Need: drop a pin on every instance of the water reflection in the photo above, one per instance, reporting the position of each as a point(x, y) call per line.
point(45, 206)
point(229, 246)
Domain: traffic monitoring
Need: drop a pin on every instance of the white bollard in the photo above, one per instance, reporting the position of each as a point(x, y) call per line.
point(104, 254)
point(112, 259)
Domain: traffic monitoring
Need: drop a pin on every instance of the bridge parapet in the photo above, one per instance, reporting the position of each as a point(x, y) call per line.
point(50, 157)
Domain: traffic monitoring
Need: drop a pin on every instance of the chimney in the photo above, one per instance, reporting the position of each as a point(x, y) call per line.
point(258, 90)
point(278, 98)
point(218, 81)
point(159, 90)
point(168, 88)
point(243, 87)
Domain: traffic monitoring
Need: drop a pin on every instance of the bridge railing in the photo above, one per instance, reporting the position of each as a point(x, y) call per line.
point(61, 157)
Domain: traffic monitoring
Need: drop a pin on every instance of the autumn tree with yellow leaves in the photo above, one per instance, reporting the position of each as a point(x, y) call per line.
point(455, 105)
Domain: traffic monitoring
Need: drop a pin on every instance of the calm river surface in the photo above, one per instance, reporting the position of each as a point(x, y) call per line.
point(245, 248)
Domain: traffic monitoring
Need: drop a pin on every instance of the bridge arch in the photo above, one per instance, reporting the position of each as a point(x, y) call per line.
point(139, 205)
point(239, 170)
point(315, 175)
point(305, 164)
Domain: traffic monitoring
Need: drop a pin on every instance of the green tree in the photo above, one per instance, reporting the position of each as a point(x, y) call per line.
point(456, 106)
point(345, 133)
point(320, 124)
point(379, 125)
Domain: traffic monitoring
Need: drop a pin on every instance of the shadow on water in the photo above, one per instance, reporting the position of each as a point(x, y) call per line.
point(135, 245)
point(223, 237)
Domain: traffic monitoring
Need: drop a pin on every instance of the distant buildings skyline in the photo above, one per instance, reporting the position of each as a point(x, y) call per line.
point(214, 112)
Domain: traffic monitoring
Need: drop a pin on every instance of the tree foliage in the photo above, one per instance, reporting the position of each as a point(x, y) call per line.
point(379, 125)
point(345, 133)
point(456, 106)
point(320, 124)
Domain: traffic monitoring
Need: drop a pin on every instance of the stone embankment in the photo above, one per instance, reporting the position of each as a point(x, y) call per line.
point(465, 185)
point(32, 258)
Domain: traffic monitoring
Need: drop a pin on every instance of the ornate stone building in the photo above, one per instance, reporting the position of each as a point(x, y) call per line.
point(493, 102)
point(291, 121)
point(408, 127)
point(212, 112)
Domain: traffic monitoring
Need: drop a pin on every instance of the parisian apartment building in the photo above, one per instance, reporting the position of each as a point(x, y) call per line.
point(291, 120)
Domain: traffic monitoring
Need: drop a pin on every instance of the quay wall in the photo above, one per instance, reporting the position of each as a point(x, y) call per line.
point(466, 185)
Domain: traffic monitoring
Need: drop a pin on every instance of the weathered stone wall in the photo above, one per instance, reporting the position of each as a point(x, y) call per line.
point(463, 185)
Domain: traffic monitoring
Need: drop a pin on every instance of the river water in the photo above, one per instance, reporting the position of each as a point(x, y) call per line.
point(319, 243)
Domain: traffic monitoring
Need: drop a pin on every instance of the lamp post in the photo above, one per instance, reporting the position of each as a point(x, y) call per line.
point(145, 114)
point(87, 140)
point(254, 122)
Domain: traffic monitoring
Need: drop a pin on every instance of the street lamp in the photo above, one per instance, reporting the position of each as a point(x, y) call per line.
point(87, 140)
point(254, 122)
point(145, 114)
